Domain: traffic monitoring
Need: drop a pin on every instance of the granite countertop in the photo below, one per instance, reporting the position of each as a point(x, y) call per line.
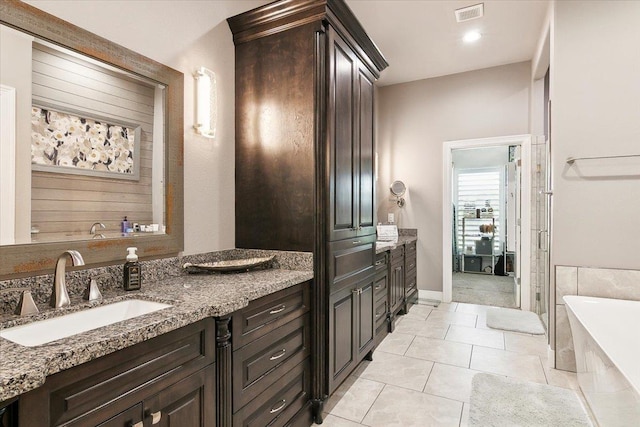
point(388, 246)
point(194, 297)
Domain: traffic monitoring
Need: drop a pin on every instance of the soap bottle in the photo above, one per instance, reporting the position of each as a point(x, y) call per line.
point(124, 225)
point(132, 271)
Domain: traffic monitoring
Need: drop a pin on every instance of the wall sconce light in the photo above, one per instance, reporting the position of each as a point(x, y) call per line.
point(206, 102)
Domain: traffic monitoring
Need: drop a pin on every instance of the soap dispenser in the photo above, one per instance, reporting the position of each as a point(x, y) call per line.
point(132, 271)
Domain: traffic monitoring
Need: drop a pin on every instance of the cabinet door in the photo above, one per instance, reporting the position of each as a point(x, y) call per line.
point(397, 286)
point(366, 206)
point(341, 112)
point(342, 339)
point(187, 403)
point(366, 317)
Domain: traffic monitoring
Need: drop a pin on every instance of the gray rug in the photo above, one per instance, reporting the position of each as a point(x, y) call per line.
point(509, 319)
point(506, 402)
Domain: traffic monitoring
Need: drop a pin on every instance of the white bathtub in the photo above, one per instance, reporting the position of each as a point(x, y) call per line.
point(606, 338)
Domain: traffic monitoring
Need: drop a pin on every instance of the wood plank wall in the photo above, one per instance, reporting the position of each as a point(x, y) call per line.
point(63, 204)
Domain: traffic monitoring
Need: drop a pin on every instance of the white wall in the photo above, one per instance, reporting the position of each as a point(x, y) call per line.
point(416, 118)
point(209, 164)
point(595, 95)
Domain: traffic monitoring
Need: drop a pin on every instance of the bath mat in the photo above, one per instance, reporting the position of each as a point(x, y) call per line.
point(509, 319)
point(500, 401)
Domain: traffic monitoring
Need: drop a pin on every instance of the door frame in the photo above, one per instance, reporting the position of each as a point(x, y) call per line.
point(524, 141)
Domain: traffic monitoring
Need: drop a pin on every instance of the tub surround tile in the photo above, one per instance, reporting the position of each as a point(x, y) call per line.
point(565, 356)
point(609, 283)
point(194, 297)
point(566, 282)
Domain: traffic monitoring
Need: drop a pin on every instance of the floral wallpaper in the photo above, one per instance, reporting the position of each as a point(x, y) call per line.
point(62, 139)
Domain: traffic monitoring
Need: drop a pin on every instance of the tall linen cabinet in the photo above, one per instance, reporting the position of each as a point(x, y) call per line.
point(305, 163)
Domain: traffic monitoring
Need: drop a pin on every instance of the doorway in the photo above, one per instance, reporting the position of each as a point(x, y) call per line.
point(478, 239)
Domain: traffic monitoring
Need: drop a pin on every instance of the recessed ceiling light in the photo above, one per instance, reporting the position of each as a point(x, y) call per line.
point(471, 37)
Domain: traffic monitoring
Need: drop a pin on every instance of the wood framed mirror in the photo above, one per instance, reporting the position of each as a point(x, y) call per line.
point(23, 258)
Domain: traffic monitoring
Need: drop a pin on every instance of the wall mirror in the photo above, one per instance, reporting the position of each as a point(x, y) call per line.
point(91, 132)
point(398, 188)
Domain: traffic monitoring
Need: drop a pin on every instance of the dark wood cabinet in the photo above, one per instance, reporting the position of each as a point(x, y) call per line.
point(410, 282)
point(396, 281)
point(305, 149)
point(271, 359)
point(381, 296)
point(169, 379)
point(351, 328)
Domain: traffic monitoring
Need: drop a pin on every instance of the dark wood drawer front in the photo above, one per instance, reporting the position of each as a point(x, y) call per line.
point(396, 255)
point(381, 262)
point(258, 365)
point(129, 417)
point(256, 359)
point(350, 260)
point(268, 313)
point(79, 390)
point(410, 263)
point(410, 248)
point(380, 288)
point(410, 280)
point(380, 313)
point(282, 401)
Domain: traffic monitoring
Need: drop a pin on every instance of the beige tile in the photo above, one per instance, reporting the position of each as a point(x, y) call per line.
point(565, 356)
point(396, 343)
point(402, 371)
point(562, 379)
point(398, 407)
point(566, 282)
point(472, 308)
point(609, 283)
point(526, 344)
point(476, 336)
point(523, 366)
point(447, 306)
point(422, 328)
point(453, 318)
point(451, 382)
point(464, 421)
point(437, 350)
point(419, 312)
point(481, 323)
point(356, 398)
point(333, 421)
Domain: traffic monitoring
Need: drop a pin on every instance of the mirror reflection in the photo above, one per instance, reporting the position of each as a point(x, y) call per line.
point(82, 146)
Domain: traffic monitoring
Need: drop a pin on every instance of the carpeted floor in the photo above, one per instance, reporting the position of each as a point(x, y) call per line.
point(484, 289)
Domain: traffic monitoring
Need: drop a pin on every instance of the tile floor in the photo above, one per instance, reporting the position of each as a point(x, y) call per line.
point(421, 373)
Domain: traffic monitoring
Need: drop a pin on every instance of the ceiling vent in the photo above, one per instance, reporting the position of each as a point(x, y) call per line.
point(470, 12)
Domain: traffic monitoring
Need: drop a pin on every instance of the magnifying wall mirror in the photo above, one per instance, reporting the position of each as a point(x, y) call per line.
point(398, 188)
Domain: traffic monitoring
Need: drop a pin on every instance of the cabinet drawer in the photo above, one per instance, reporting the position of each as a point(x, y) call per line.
point(396, 255)
point(111, 384)
point(280, 402)
point(410, 280)
point(259, 364)
point(268, 313)
point(410, 263)
point(380, 313)
point(410, 248)
point(380, 288)
point(350, 261)
point(381, 262)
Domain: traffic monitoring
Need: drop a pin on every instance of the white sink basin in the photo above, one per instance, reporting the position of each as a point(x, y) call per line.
point(45, 331)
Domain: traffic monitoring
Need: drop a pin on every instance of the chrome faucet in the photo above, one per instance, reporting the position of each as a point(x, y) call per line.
point(92, 230)
point(59, 294)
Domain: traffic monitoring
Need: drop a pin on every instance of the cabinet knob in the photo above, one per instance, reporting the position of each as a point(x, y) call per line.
point(278, 310)
point(279, 408)
point(379, 262)
point(156, 417)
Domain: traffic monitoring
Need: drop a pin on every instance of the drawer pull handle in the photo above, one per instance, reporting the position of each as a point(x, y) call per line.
point(138, 424)
point(378, 287)
point(282, 352)
point(356, 242)
point(156, 417)
point(279, 408)
point(278, 310)
point(379, 262)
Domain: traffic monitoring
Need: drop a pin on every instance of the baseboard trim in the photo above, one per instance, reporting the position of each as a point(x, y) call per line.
point(434, 295)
